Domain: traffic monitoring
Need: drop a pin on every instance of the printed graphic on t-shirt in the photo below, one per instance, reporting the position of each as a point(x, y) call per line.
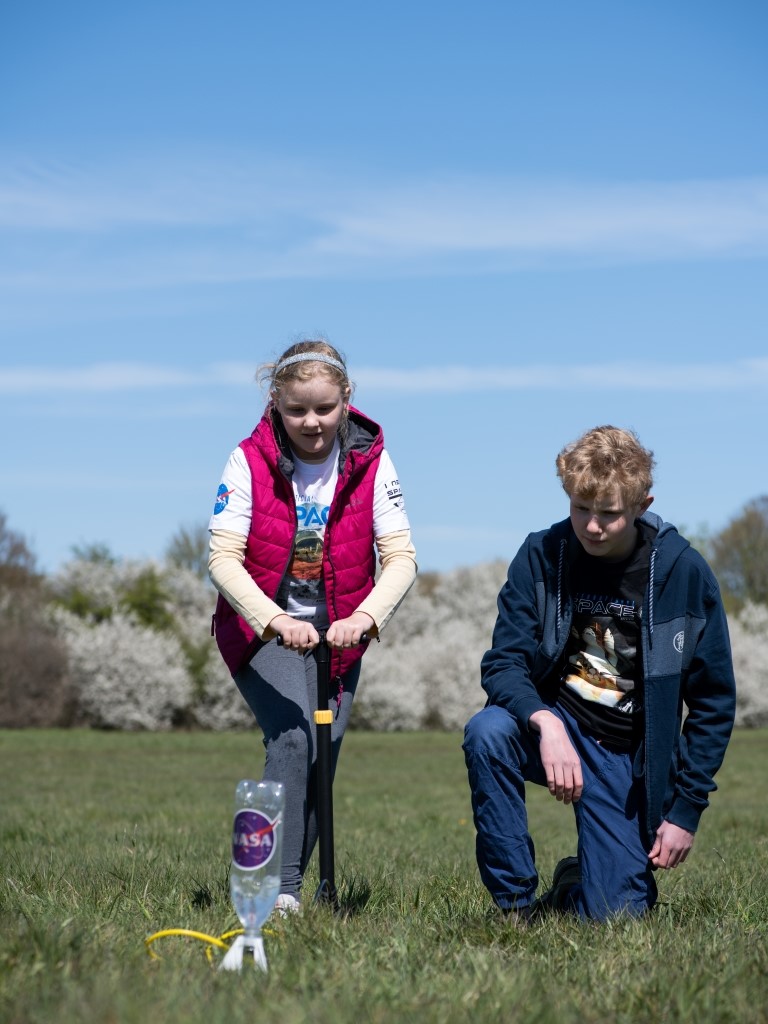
point(306, 568)
point(395, 494)
point(603, 651)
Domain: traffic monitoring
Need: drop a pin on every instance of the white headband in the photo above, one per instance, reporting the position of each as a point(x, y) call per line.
point(315, 357)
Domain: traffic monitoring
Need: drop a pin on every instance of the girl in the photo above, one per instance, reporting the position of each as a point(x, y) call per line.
point(302, 502)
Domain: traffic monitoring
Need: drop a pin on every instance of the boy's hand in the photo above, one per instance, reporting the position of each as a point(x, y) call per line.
point(347, 632)
point(672, 846)
point(558, 756)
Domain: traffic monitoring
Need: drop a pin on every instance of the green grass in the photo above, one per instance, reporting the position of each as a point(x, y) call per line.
point(108, 838)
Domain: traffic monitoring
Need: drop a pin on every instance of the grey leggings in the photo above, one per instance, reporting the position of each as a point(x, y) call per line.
point(280, 688)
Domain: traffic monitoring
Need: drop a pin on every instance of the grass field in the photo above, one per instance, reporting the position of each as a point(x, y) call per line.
point(108, 838)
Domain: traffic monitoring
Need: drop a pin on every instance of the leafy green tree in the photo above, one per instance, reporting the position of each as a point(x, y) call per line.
point(740, 556)
point(147, 600)
point(17, 562)
point(95, 552)
point(188, 549)
point(35, 688)
point(699, 538)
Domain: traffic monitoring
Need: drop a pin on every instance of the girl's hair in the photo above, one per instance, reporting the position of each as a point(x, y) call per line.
point(297, 364)
point(606, 459)
point(330, 363)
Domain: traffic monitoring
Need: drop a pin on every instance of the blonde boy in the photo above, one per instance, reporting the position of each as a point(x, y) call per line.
point(609, 624)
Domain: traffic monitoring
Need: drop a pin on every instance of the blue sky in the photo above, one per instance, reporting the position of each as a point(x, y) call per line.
point(516, 220)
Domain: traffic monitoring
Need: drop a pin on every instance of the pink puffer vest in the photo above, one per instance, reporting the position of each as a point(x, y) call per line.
point(349, 561)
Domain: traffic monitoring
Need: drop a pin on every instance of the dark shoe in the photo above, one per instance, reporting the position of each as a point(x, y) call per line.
point(518, 917)
point(567, 874)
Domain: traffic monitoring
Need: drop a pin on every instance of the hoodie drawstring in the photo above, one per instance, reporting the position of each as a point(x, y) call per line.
point(651, 577)
point(560, 566)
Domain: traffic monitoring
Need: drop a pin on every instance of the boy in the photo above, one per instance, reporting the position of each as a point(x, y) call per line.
point(608, 623)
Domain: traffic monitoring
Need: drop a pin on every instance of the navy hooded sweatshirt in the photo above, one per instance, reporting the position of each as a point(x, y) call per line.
point(686, 657)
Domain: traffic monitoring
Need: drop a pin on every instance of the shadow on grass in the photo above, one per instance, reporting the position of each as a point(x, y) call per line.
point(355, 897)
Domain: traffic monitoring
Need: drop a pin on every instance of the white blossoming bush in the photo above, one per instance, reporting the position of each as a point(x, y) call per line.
point(749, 640)
point(221, 707)
point(193, 599)
point(92, 588)
point(425, 673)
point(141, 655)
point(217, 704)
point(169, 609)
point(127, 676)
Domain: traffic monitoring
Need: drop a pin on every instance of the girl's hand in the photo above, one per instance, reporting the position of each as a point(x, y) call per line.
point(347, 632)
point(297, 635)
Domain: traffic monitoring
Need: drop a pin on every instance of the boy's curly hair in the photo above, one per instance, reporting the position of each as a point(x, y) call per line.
point(606, 459)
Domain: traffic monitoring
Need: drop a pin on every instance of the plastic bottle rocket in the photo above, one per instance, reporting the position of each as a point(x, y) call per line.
point(254, 877)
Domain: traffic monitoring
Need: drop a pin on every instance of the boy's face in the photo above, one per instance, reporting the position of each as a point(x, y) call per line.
point(605, 525)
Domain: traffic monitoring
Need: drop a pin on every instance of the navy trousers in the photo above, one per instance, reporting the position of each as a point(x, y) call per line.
point(613, 856)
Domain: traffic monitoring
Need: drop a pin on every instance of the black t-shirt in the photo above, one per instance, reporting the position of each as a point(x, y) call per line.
point(602, 682)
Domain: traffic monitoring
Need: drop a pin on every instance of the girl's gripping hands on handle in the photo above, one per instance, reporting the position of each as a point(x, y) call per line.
point(297, 635)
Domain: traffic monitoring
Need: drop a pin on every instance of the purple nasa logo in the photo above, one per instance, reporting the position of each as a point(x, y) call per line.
point(253, 840)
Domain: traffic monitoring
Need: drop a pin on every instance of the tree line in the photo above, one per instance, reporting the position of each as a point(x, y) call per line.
point(118, 644)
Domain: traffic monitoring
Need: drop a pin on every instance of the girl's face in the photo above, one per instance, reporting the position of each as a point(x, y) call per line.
point(312, 411)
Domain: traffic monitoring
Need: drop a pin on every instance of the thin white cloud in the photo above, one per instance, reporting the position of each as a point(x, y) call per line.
point(147, 194)
point(104, 378)
point(514, 217)
point(171, 223)
point(112, 378)
point(734, 376)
